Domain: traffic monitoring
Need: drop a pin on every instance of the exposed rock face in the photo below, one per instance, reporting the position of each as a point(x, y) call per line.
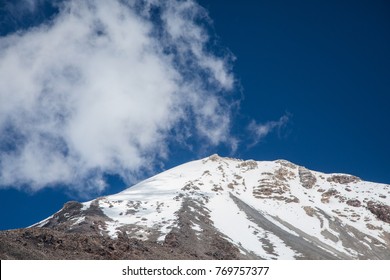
point(328, 194)
point(382, 212)
point(286, 163)
point(72, 218)
point(219, 208)
point(307, 179)
point(354, 202)
point(343, 179)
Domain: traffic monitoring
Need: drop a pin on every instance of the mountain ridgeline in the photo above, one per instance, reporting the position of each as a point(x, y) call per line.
point(219, 208)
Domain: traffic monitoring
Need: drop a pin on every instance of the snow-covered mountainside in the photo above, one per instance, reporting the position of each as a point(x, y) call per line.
point(246, 209)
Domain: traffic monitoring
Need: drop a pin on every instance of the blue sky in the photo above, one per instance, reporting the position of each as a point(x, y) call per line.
point(306, 81)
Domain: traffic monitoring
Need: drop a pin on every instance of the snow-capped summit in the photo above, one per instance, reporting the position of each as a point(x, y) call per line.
point(228, 208)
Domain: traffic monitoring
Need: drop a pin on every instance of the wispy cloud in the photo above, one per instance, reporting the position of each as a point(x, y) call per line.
point(260, 130)
point(101, 88)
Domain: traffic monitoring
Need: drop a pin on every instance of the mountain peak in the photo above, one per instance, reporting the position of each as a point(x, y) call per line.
point(256, 209)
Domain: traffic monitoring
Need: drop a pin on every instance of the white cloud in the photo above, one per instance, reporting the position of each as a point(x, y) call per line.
point(261, 130)
point(100, 89)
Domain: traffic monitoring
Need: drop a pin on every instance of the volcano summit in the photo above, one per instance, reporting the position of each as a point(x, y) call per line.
point(220, 208)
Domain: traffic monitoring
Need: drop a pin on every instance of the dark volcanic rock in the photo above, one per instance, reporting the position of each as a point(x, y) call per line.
point(382, 212)
point(354, 202)
point(45, 243)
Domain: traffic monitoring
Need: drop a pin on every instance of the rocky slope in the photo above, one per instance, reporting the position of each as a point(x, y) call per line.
point(221, 208)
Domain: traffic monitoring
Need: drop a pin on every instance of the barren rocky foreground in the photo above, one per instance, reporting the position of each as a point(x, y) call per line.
point(49, 244)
